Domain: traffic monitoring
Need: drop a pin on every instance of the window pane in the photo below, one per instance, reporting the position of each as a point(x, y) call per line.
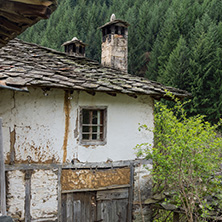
point(85, 136)
point(94, 129)
point(92, 125)
point(85, 114)
point(85, 129)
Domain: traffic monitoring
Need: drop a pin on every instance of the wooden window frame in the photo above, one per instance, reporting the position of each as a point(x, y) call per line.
point(93, 142)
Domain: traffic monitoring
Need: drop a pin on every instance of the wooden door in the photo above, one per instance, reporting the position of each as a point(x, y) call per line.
point(100, 206)
point(79, 207)
point(112, 205)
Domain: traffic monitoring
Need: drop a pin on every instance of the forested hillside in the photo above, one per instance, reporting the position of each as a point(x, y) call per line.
point(176, 42)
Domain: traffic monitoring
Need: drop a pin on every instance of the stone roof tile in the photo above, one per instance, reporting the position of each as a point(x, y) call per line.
point(26, 64)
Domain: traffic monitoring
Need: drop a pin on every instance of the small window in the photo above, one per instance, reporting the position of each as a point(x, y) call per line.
point(74, 48)
point(108, 30)
point(122, 31)
point(116, 29)
point(93, 125)
point(80, 50)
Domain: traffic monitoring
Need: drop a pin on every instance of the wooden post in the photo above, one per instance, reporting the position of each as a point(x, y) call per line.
point(28, 175)
point(59, 195)
point(2, 174)
point(130, 205)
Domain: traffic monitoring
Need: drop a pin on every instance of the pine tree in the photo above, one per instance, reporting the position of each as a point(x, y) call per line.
point(177, 69)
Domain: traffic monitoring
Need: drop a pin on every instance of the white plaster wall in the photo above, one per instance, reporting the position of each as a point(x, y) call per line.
point(39, 124)
point(16, 194)
point(124, 114)
point(44, 189)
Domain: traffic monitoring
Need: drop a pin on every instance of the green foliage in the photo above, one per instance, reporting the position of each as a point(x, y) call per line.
point(186, 158)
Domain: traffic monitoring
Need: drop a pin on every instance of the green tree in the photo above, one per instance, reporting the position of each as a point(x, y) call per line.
point(176, 72)
point(204, 69)
point(186, 159)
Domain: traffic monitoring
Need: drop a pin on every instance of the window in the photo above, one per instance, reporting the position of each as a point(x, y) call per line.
point(93, 125)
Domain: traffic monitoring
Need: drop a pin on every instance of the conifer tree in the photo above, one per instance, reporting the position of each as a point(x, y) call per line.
point(177, 69)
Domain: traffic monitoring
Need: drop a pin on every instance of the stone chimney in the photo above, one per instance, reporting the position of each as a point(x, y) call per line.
point(75, 47)
point(115, 44)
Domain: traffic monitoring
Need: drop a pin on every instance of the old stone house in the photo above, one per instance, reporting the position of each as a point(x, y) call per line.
point(69, 128)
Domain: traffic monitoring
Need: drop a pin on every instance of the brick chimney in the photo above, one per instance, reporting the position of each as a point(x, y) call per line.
point(115, 44)
point(75, 47)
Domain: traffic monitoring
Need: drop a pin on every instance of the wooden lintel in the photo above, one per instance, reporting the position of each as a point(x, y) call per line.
point(87, 165)
point(97, 189)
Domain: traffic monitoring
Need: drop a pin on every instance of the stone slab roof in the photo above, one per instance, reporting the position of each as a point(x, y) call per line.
point(25, 64)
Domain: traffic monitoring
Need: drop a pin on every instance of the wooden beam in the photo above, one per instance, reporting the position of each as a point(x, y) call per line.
point(2, 175)
point(10, 26)
point(81, 165)
point(59, 195)
point(130, 205)
point(28, 175)
point(18, 8)
point(15, 18)
point(35, 2)
point(97, 189)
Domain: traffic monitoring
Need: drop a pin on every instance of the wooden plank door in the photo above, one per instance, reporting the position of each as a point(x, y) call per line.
point(112, 205)
point(79, 207)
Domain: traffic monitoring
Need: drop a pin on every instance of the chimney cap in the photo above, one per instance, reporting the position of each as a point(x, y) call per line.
point(74, 40)
point(113, 21)
point(113, 17)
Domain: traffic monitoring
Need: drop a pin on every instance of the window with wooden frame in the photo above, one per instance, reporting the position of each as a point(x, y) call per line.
point(93, 125)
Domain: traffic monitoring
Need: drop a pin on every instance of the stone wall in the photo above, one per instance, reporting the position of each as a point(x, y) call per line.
point(142, 191)
point(43, 195)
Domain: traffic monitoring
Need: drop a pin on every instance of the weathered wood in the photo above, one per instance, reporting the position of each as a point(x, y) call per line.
point(2, 175)
point(97, 189)
point(86, 165)
point(28, 175)
point(69, 207)
point(59, 195)
point(102, 165)
point(79, 207)
point(130, 205)
point(112, 210)
point(115, 194)
point(31, 167)
point(12, 145)
point(63, 215)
